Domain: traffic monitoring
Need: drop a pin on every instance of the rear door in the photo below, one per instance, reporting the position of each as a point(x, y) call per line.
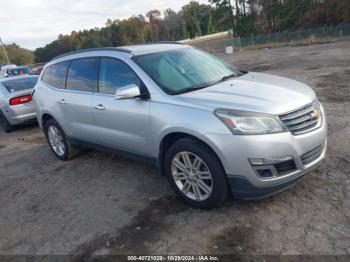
point(120, 124)
point(76, 101)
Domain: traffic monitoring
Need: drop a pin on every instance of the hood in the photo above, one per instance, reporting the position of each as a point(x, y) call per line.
point(256, 92)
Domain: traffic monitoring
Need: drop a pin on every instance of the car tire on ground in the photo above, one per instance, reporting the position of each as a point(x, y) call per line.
point(196, 174)
point(5, 124)
point(58, 142)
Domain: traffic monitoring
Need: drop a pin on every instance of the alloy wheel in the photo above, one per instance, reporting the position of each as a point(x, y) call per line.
point(192, 176)
point(56, 140)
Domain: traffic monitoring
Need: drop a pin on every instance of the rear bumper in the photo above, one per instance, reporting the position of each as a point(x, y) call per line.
point(19, 114)
point(22, 119)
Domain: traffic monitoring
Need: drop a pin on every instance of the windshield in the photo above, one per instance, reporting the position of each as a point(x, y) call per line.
point(185, 69)
point(20, 83)
point(20, 71)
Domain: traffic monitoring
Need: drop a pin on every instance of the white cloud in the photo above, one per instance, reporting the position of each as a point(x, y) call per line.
point(34, 23)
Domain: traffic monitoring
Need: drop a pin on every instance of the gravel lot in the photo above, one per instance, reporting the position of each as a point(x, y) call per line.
point(104, 204)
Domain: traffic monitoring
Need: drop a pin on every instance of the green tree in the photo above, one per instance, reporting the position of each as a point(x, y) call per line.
point(154, 20)
point(17, 55)
point(172, 20)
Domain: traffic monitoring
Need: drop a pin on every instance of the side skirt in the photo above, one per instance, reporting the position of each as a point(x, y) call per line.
point(148, 160)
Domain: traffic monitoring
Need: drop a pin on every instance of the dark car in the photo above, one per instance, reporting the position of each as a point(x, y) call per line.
point(19, 71)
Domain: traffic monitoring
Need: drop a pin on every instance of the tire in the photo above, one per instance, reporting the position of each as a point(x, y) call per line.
point(58, 142)
point(5, 124)
point(188, 182)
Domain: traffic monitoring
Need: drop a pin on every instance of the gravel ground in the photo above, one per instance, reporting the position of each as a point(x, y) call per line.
point(104, 204)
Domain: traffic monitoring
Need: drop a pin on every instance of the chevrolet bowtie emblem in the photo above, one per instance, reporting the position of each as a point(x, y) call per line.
point(316, 114)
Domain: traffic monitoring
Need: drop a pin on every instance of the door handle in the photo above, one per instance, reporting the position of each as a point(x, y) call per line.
point(100, 107)
point(63, 101)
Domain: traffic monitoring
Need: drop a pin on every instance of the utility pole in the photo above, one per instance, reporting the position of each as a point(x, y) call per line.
point(232, 17)
point(7, 58)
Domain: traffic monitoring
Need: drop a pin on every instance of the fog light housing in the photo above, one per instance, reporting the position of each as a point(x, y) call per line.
point(270, 167)
point(265, 173)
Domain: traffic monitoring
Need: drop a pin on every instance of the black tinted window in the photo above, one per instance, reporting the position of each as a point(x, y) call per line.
point(20, 71)
point(55, 75)
point(115, 74)
point(82, 74)
point(20, 84)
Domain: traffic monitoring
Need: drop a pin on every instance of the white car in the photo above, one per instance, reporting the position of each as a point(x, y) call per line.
point(16, 106)
point(4, 68)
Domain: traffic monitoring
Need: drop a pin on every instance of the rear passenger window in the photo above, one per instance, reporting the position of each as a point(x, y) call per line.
point(55, 75)
point(115, 74)
point(82, 74)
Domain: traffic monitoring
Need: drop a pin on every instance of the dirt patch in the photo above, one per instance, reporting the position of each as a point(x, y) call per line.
point(256, 68)
point(34, 139)
point(234, 241)
point(340, 89)
point(100, 204)
point(144, 228)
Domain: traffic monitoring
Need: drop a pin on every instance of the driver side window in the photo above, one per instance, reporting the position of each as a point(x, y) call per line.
point(115, 74)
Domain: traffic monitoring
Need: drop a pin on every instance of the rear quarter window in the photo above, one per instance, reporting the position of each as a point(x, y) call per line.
point(20, 84)
point(55, 75)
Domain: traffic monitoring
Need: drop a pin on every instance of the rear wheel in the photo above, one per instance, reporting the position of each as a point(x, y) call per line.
point(196, 174)
point(5, 124)
point(58, 142)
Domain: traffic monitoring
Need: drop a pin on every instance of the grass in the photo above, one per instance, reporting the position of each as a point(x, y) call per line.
point(307, 41)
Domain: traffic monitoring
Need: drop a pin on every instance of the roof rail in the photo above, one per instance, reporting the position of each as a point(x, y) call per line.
point(120, 49)
point(162, 42)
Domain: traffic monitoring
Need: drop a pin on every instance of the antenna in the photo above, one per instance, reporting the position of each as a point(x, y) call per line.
point(7, 58)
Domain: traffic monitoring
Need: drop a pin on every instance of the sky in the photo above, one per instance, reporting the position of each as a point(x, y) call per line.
point(35, 23)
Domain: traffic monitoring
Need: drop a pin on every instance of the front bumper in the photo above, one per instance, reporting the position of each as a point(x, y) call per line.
point(235, 152)
point(242, 189)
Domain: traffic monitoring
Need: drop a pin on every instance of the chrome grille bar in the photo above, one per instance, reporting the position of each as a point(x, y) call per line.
point(312, 155)
point(297, 113)
point(303, 125)
point(301, 120)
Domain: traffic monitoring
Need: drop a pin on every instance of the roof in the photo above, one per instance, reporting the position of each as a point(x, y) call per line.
point(153, 48)
point(140, 49)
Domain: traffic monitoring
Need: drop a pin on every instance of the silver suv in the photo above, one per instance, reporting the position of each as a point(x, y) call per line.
point(211, 129)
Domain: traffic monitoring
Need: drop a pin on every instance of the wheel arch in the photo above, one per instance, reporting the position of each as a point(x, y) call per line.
point(44, 118)
point(171, 137)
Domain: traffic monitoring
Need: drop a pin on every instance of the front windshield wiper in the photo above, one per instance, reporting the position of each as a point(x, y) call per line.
point(200, 86)
point(193, 88)
point(224, 78)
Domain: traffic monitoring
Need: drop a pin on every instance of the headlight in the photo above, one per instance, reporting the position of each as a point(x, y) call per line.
point(249, 123)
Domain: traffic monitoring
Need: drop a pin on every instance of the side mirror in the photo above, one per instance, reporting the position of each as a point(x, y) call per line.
point(127, 92)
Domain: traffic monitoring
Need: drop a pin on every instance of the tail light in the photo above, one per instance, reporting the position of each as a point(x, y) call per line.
point(20, 100)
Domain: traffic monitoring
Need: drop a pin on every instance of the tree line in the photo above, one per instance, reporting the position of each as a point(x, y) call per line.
point(16, 55)
point(240, 17)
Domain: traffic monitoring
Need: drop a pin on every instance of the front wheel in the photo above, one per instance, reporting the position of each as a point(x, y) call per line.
point(196, 174)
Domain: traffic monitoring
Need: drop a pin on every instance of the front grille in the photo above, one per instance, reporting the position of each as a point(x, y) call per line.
point(285, 167)
point(303, 119)
point(312, 155)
